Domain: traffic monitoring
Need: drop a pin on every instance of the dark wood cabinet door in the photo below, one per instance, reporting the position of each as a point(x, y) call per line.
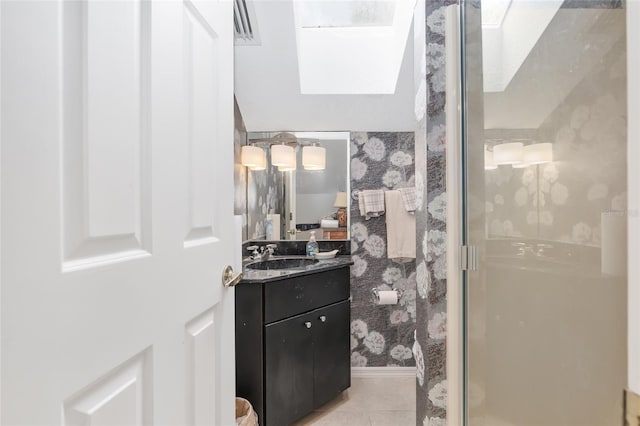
point(289, 369)
point(332, 372)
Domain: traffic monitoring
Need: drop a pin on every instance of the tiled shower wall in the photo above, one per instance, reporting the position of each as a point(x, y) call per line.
point(380, 335)
point(430, 346)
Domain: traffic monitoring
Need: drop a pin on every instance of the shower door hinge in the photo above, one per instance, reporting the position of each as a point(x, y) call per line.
point(469, 258)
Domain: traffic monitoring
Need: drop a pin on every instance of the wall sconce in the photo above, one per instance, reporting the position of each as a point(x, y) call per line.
point(341, 203)
point(253, 157)
point(489, 164)
point(538, 153)
point(263, 162)
point(314, 157)
point(508, 153)
point(288, 168)
point(283, 156)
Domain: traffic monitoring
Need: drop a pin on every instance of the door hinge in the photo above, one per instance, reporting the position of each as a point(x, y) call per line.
point(469, 258)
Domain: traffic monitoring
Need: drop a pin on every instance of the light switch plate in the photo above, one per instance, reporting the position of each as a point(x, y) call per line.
point(631, 408)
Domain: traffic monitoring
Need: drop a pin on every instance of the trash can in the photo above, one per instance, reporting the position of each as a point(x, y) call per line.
point(245, 416)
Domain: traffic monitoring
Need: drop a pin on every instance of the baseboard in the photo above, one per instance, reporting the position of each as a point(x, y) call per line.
point(631, 408)
point(383, 372)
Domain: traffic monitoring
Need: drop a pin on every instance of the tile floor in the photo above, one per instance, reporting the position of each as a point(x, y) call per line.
point(369, 402)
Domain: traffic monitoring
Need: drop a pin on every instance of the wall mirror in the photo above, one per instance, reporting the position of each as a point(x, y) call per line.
point(312, 193)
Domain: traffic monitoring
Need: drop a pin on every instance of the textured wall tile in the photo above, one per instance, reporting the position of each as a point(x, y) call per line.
point(431, 225)
point(380, 335)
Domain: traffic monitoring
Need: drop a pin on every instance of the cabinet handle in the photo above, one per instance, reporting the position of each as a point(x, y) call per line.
point(323, 318)
point(307, 324)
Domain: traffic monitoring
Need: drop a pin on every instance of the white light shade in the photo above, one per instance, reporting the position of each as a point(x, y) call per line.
point(313, 157)
point(538, 153)
point(508, 153)
point(283, 156)
point(289, 167)
point(341, 200)
point(263, 162)
point(489, 164)
point(251, 156)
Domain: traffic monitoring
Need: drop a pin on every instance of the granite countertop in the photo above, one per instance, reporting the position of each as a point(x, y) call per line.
point(252, 276)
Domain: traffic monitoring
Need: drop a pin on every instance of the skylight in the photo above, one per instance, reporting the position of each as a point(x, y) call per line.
point(357, 13)
point(351, 47)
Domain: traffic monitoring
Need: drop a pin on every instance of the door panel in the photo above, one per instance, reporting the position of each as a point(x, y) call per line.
point(332, 370)
point(289, 369)
point(105, 56)
point(201, 356)
point(108, 166)
point(201, 50)
point(546, 307)
point(121, 397)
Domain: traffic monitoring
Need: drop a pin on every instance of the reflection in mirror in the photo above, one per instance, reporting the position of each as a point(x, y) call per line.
point(312, 185)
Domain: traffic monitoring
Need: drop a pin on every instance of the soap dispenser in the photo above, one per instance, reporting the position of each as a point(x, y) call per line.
point(312, 245)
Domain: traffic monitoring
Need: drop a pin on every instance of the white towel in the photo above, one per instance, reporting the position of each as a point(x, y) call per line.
point(371, 203)
point(401, 228)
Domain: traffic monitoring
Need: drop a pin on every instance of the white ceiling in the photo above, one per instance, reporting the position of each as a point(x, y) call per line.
point(267, 85)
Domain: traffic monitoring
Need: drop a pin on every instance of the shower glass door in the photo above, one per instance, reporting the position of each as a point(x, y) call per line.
point(545, 204)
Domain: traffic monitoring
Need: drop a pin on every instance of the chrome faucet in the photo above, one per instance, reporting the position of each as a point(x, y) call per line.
point(262, 252)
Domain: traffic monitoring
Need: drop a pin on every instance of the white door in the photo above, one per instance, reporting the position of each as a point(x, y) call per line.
point(117, 186)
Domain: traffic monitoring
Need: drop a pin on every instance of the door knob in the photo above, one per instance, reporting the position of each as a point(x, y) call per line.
point(307, 324)
point(229, 279)
point(323, 318)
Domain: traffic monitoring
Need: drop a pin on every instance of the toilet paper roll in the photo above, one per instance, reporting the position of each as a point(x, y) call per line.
point(329, 223)
point(387, 297)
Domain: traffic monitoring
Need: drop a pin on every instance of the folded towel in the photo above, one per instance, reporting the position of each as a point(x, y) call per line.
point(409, 198)
point(401, 228)
point(371, 203)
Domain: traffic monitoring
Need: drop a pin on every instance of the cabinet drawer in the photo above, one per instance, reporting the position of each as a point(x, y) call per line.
point(294, 296)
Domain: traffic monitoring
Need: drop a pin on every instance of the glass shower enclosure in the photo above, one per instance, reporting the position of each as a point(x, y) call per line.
point(544, 152)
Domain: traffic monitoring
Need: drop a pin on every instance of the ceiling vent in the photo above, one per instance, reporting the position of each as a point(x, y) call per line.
point(244, 23)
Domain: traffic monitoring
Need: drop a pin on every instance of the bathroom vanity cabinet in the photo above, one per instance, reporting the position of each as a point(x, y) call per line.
point(292, 343)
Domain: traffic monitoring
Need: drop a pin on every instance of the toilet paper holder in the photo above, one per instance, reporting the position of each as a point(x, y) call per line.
point(374, 294)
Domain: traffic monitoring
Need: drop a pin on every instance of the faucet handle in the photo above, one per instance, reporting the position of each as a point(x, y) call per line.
point(252, 248)
point(272, 246)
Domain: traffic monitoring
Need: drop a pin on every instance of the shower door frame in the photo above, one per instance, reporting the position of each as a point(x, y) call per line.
point(457, 160)
point(456, 185)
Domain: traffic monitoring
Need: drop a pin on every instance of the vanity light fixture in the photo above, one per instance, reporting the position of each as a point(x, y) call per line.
point(538, 153)
point(489, 164)
point(263, 162)
point(508, 153)
point(314, 157)
point(253, 157)
point(290, 167)
point(283, 156)
point(286, 169)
